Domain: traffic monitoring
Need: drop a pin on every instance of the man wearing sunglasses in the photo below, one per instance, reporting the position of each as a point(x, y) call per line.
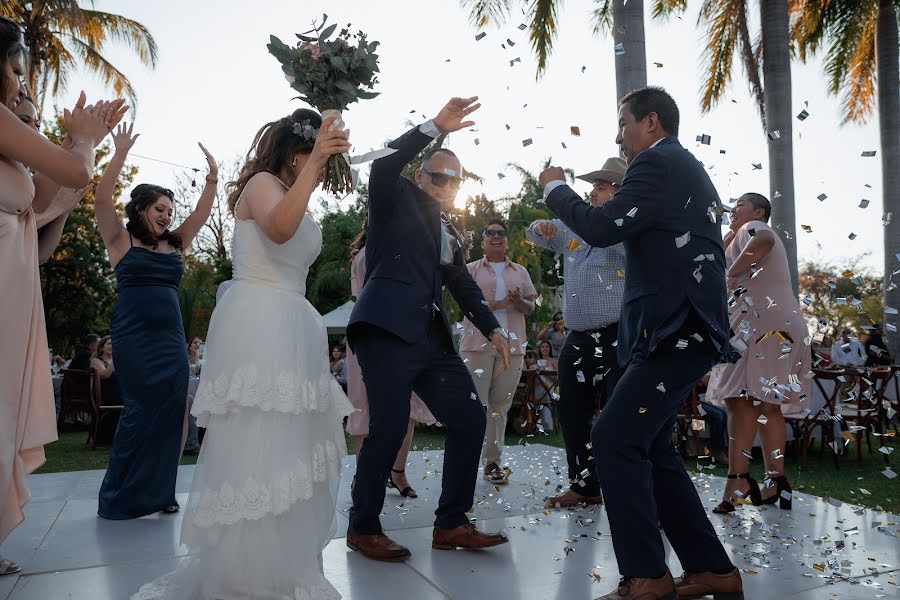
point(510, 293)
point(402, 338)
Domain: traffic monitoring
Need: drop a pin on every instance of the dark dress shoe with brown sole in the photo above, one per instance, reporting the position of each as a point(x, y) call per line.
point(377, 546)
point(720, 587)
point(572, 498)
point(644, 588)
point(466, 537)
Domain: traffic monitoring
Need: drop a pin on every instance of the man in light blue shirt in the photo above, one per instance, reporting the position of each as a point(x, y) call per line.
point(594, 285)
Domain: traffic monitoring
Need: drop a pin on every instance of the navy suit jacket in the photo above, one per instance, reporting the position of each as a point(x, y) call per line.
point(404, 276)
point(665, 195)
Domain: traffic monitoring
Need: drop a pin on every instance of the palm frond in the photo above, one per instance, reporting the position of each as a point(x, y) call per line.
point(859, 97)
point(722, 19)
point(751, 56)
point(96, 62)
point(543, 31)
point(602, 16)
point(58, 64)
point(95, 28)
point(664, 9)
point(485, 12)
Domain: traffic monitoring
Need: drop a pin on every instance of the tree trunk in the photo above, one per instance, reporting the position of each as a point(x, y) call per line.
point(779, 117)
point(886, 42)
point(628, 30)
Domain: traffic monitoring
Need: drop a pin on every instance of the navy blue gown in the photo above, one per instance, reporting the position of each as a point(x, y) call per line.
point(152, 366)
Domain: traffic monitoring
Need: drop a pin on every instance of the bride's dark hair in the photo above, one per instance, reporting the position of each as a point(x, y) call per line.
point(144, 196)
point(273, 149)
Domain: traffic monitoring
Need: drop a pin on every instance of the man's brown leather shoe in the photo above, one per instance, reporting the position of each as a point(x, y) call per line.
point(377, 546)
point(720, 587)
point(572, 498)
point(465, 536)
point(644, 588)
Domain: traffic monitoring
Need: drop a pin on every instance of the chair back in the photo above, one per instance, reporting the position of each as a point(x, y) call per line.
point(80, 391)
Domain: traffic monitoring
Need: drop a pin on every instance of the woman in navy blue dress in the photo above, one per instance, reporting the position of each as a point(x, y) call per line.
point(148, 338)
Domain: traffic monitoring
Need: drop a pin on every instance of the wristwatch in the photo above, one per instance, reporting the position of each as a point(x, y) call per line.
point(502, 332)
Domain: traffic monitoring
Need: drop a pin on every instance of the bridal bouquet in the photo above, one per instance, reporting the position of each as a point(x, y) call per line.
point(330, 74)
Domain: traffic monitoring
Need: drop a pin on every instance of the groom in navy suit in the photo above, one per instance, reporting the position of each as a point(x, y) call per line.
point(673, 329)
point(402, 338)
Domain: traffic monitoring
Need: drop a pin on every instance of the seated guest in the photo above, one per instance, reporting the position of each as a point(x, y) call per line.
point(876, 349)
point(85, 352)
point(194, 356)
point(545, 360)
point(555, 333)
point(336, 362)
point(102, 362)
point(847, 351)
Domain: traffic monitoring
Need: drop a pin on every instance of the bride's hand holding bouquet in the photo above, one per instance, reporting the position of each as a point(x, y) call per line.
point(329, 142)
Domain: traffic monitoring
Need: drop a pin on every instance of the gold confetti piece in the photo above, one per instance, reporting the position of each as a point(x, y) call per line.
point(573, 245)
point(806, 228)
point(621, 272)
point(642, 410)
point(576, 131)
point(818, 567)
point(848, 274)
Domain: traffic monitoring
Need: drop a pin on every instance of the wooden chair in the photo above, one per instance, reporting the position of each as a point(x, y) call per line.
point(866, 413)
point(78, 393)
point(823, 419)
point(100, 412)
point(690, 411)
point(543, 384)
point(526, 408)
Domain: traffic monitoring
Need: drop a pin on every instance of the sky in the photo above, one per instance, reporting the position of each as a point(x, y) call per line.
point(216, 83)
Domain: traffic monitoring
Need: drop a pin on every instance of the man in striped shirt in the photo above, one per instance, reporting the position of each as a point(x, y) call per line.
point(594, 284)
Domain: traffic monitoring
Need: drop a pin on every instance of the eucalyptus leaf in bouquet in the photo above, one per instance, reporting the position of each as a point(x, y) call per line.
point(330, 73)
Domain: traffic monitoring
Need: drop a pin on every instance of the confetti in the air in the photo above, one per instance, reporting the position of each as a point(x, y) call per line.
point(480, 36)
point(682, 240)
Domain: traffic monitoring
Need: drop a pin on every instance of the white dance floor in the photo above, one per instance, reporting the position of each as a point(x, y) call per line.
point(821, 549)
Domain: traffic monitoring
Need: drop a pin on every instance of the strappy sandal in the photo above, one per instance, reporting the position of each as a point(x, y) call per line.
point(8, 567)
point(406, 492)
point(725, 506)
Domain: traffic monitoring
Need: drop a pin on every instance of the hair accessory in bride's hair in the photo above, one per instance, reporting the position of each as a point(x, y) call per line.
point(305, 130)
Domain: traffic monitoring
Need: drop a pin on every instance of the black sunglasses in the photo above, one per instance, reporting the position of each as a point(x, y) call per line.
point(442, 179)
point(489, 233)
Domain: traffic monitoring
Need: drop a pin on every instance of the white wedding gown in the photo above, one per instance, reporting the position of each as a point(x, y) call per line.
point(263, 496)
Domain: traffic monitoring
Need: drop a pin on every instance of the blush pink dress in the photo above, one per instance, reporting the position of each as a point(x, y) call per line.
point(358, 421)
point(27, 408)
point(772, 368)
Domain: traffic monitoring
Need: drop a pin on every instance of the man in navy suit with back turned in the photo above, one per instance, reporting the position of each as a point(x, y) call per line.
point(673, 329)
point(402, 338)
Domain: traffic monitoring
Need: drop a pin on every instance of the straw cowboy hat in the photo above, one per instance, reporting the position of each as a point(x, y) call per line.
point(613, 171)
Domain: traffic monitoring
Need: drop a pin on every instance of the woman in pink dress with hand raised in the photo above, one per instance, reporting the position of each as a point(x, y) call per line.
point(772, 337)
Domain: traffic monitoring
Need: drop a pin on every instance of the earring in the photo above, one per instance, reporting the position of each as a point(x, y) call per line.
point(294, 162)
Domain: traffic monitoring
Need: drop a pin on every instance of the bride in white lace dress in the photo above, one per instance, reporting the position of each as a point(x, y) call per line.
point(264, 490)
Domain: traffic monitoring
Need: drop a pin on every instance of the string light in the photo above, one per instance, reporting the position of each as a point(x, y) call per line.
point(165, 162)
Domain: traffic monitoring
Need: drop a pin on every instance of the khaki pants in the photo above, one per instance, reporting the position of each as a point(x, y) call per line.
point(496, 391)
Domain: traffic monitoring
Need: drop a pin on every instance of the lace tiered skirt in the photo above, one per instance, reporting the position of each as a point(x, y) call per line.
point(263, 497)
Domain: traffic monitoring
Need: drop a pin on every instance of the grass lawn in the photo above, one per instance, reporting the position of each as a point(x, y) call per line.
point(820, 478)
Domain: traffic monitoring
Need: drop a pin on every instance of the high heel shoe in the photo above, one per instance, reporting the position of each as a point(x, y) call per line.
point(406, 492)
point(782, 489)
point(725, 506)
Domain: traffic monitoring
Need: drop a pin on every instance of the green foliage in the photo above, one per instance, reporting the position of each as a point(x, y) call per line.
point(328, 285)
point(77, 282)
point(197, 296)
point(833, 298)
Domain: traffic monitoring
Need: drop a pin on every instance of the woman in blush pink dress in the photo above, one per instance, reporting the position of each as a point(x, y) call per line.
point(773, 340)
point(358, 421)
point(27, 409)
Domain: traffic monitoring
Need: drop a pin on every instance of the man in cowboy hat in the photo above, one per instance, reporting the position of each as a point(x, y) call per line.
point(587, 363)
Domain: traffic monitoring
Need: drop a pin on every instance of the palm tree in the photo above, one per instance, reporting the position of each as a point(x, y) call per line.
point(862, 61)
point(728, 32)
point(624, 19)
point(61, 35)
